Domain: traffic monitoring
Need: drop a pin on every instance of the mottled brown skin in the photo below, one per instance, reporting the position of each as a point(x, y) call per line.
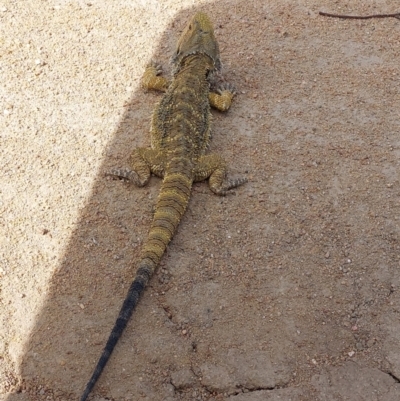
point(180, 134)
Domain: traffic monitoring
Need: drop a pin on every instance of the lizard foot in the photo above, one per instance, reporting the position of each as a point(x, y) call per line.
point(228, 185)
point(151, 78)
point(126, 174)
point(222, 99)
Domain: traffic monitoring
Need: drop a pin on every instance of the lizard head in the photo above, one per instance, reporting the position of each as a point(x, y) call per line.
point(198, 38)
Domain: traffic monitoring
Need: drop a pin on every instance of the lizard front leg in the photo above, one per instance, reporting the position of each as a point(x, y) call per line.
point(151, 78)
point(222, 100)
point(214, 167)
point(143, 161)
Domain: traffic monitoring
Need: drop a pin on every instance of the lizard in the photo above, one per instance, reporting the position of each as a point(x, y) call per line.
point(180, 135)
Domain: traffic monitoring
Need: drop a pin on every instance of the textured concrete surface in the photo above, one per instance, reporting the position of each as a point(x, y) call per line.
point(286, 290)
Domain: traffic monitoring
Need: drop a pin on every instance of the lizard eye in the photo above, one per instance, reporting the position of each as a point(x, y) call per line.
point(190, 27)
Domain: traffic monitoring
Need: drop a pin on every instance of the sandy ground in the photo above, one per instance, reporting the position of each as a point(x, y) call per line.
point(287, 289)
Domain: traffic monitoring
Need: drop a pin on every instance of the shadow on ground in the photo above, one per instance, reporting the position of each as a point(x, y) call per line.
point(287, 289)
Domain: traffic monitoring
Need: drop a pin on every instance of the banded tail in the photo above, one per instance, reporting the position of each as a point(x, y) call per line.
point(171, 205)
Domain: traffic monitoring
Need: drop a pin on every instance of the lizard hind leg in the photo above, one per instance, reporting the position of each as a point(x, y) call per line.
point(214, 167)
point(144, 161)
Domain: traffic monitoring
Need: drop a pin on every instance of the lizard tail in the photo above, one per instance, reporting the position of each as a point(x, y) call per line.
point(171, 205)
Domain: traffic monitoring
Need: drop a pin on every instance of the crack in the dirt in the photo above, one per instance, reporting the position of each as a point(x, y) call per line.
point(239, 389)
point(253, 389)
point(173, 385)
point(392, 376)
point(168, 313)
point(249, 390)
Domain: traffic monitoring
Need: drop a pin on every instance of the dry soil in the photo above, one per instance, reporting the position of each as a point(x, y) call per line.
point(286, 289)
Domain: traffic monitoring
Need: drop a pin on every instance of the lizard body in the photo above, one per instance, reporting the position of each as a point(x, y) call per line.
point(180, 134)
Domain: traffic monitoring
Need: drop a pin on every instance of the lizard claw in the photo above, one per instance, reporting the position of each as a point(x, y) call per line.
point(225, 87)
point(155, 66)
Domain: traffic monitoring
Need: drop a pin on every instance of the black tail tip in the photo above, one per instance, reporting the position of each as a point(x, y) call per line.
point(85, 394)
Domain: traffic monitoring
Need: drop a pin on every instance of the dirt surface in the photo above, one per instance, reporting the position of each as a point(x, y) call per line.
point(287, 289)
